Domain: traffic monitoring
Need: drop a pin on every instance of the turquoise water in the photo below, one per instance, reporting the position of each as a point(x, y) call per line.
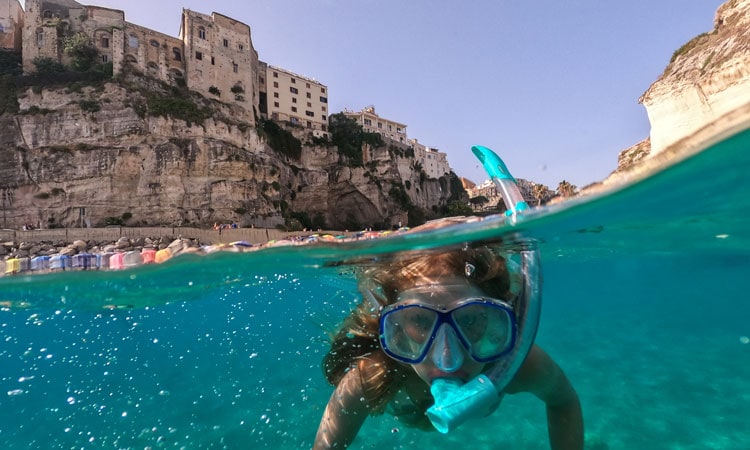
point(644, 307)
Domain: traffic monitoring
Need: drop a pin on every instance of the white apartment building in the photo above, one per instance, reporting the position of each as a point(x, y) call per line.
point(293, 98)
point(434, 162)
point(373, 123)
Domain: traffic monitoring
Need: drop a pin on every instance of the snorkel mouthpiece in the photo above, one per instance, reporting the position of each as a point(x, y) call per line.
point(456, 402)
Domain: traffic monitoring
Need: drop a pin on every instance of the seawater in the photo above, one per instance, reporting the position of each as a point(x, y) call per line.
point(645, 308)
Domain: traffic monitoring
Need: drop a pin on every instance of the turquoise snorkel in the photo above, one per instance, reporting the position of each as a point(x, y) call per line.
point(456, 402)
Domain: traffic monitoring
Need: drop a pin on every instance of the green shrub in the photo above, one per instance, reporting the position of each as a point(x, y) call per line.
point(178, 108)
point(91, 106)
point(279, 139)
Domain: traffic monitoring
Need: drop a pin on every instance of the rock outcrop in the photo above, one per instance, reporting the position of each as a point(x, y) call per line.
point(706, 79)
point(91, 155)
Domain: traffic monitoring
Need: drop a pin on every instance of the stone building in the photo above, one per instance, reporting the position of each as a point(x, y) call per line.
point(11, 23)
point(299, 100)
point(213, 55)
point(373, 123)
point(433, 161)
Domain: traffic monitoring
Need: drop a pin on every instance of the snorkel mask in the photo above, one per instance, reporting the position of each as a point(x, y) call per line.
point(456, 402)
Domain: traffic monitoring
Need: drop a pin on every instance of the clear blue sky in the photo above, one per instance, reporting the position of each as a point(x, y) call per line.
point(551, 85)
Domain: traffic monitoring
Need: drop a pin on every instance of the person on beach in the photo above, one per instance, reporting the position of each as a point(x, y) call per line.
point(442, 316)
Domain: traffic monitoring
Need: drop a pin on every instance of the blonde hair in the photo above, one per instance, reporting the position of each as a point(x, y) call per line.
point(356, 344)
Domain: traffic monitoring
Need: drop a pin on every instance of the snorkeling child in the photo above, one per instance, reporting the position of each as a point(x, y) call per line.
point(437, 318)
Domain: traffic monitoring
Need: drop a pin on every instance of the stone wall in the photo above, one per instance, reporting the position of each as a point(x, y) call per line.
point(251, 235)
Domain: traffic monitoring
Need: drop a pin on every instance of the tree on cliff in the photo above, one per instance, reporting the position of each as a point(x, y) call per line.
point(349, 136)
point(565, 189)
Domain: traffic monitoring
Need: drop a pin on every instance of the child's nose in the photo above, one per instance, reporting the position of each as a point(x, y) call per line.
point(447, 351)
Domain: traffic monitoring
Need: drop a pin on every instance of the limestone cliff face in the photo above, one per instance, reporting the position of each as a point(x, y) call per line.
point(65, 162)
point(707, 78)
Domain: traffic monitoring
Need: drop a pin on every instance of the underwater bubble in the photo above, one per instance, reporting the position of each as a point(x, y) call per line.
point(71, 400)
point(15, 392)
point(745, 339)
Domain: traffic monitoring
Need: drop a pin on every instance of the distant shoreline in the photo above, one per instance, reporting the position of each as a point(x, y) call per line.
point(204, 236)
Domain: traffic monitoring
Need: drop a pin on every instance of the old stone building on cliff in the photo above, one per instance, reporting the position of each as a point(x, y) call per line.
point(433, 162)
point(213, 55)
point(11, 24)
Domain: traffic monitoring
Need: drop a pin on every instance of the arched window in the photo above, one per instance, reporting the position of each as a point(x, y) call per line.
point(132, 41)
point(130, 59)
point(175, 74)
point(39, 37)
point(154, 43)
point(202, 32)
point(47, 14)
point(177, 54)
point(152, 68)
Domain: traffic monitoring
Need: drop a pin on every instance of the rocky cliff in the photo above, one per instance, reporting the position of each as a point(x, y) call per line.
point(96, 155)
point(706, 79)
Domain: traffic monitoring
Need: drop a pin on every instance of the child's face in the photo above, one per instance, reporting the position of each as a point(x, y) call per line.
point(447, 356)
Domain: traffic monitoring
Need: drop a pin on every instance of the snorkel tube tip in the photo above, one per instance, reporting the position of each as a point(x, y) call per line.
point(503, 180)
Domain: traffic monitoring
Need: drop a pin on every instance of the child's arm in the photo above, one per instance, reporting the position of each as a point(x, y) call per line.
point(541, 376)
point(344, 415)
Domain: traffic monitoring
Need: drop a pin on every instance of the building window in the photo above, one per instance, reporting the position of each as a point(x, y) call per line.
point(309, 105)
point(322, 90)
point(293, 90)
point(293, 120)
point(201, 33)
point(132, 41)
point(154, 43)
point(323, 108)
point(40, 37)
point(309, 124)
point(276, 104)
point(213, 62)
point(104, 42)
point(47, 14)
point(324, 118)
point(176, 54)
point(294, 100)
point(275, 95)
point(309, 113)
point(198, 55)
point(294, 81)
point(235, 67)
point(226, 42)
point(275, 116)
point(294, 109)
point(105, 58)
point(323, 99)
point(308, 85)
point(309, 95)
point(390, 128)
point(380, 125)
point(275, 84)
point(262, 80)
point(276, 74)
point(368, 122)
